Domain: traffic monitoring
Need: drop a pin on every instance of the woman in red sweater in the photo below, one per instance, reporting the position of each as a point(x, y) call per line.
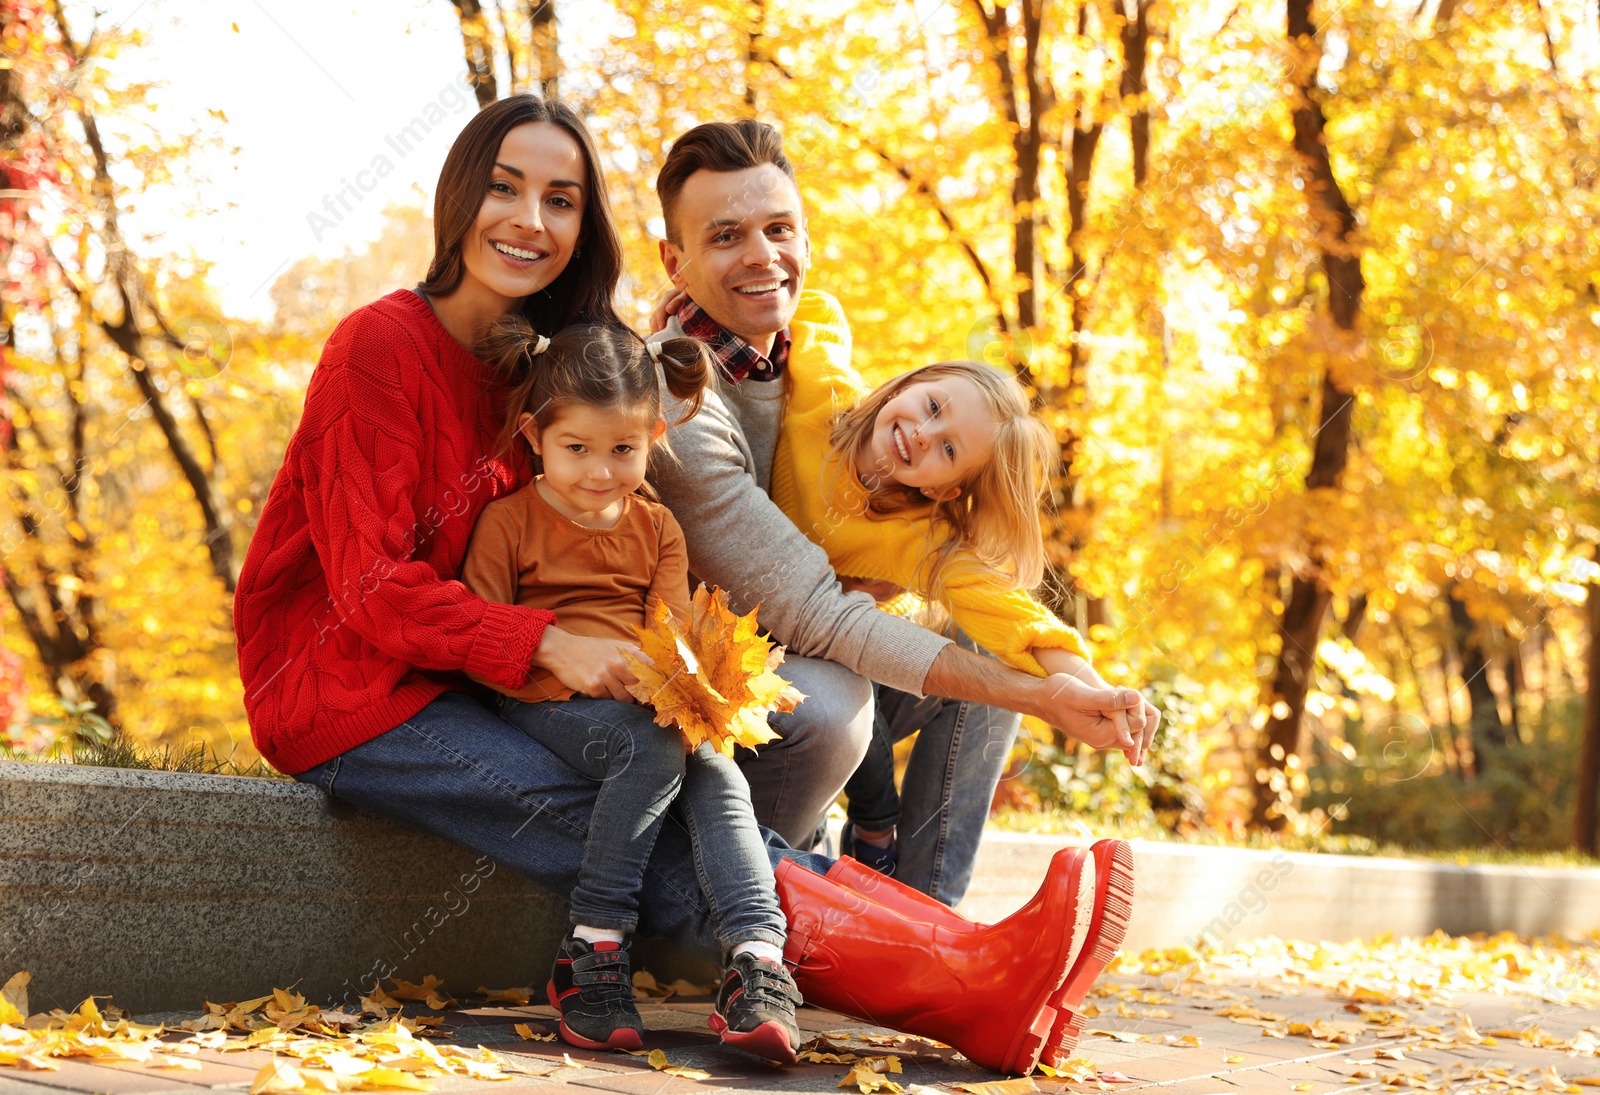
point(355, 634)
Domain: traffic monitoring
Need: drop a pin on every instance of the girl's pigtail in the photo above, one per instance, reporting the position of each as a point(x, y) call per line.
point(511, 346)
point(686, 366)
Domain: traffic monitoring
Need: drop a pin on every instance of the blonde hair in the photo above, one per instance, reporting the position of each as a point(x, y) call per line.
point(995, 516)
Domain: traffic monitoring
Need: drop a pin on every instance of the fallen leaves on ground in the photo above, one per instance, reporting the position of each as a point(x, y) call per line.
point(332, 1051)
point(712, 676)
point(528, 1034)
point(427, 992)
point(516, 997)
point(872, 1074)
point(1386, 971)
point(14, 998)
point(646, 987)
point(658, 1061)
point(1074, 1070)
point(1019, 1086)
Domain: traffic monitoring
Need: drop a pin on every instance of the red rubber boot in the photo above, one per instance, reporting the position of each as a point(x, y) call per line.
point(984, 991)
point(1112, 906)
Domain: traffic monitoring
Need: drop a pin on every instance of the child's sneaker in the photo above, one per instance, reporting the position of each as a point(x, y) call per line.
point(592, 987)
point(755, 1009)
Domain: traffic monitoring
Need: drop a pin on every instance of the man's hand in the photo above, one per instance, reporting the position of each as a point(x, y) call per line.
point(883, 591)
point(591, 667)
point(672, 299)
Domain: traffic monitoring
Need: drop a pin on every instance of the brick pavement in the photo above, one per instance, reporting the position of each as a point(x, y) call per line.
point(1151, 1034)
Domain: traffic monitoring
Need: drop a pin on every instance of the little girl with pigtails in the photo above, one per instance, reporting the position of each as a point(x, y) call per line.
point(583, 540)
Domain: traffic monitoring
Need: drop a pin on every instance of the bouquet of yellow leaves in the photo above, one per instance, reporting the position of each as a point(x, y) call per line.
point(712, 676)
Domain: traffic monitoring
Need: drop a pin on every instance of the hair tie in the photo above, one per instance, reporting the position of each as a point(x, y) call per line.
point(540, 345)
point(655, 350)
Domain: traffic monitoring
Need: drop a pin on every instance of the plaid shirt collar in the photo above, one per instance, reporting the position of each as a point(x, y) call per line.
point(737, 359)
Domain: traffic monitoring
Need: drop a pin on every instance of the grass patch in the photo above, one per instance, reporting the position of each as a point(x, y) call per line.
point(195, 758)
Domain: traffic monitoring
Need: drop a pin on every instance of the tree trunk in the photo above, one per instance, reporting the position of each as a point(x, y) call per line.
point(1334, 226)
point(1486, 728)
point(1514, 689)
point(58, 616)
point(1586, 810)
point(1135, 48)
point(478, 47)
point(754, 53)
point(140, 351)
point(1026, 143)
point(545, 56)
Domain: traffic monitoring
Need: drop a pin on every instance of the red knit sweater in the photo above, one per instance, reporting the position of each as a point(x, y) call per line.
point(348, 613)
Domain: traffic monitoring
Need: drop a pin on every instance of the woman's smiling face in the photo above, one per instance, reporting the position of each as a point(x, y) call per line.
point(531, 219)
point(932, 435)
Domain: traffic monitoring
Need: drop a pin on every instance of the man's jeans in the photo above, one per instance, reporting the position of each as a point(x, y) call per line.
point(457, 769)
point(640, 769)
point(955, 766)
point(795, 779)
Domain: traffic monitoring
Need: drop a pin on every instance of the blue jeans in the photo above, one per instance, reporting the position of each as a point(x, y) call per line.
point(457, 769)
point(950, 780)
point(640, 769)
point(795, 779)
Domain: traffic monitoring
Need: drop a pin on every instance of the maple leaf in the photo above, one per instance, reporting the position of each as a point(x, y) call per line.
point(517, 997)
point(1019, 1086)
point(14, 999)
point(713, 677)
point(869, 1076)
point(428, 992)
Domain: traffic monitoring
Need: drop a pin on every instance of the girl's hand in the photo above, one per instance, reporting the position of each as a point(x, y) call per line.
point(672, 299)
point(883, 591)
point(1139, 720)
point(1098, 715)
point(592, 667)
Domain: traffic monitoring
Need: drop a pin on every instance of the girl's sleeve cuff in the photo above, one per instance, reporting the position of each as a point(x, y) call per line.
point(1060, 637)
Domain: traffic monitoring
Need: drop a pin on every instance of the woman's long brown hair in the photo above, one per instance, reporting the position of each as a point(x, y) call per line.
point(585, 290)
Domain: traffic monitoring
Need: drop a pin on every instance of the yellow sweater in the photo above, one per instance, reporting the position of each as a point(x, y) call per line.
point(826, 505)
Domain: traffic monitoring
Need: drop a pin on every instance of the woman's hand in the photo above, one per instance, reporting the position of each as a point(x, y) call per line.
point(671, 300)
point(592, 667)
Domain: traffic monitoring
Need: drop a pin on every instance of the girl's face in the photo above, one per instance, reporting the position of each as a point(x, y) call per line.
point(531, 218)
point(593, 458)
point(932, 436)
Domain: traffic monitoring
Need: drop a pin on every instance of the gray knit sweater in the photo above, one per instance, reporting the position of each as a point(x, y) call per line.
point(715, 481)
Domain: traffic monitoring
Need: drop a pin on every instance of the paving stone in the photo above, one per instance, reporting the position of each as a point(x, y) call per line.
point(12, 1086)
point(74, 1074)
point(1207, 1086)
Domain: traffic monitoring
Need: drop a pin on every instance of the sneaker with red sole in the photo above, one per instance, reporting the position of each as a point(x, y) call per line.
point(592, 987)
point(755, 1009)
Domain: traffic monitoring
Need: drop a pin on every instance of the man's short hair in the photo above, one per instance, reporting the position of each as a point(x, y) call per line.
point(717, 146)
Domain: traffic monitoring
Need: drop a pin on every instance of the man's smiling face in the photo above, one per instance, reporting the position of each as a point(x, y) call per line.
point(741, 249)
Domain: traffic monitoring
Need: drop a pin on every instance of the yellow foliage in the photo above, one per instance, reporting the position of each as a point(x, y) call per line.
point(712, 677)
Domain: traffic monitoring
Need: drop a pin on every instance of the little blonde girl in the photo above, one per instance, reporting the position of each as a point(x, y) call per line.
point(930, 483)
point(582, 541)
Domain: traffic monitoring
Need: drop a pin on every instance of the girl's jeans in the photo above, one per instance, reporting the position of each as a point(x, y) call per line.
point(457, 769)
point(639, 770)
point(955, 766)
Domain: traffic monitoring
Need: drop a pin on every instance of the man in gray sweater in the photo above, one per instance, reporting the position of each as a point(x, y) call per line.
point(737, 250)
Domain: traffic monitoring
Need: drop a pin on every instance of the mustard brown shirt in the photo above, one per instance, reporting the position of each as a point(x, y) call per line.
point(602, 582)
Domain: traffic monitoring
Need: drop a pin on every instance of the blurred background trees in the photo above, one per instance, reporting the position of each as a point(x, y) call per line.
point(1308, 292)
